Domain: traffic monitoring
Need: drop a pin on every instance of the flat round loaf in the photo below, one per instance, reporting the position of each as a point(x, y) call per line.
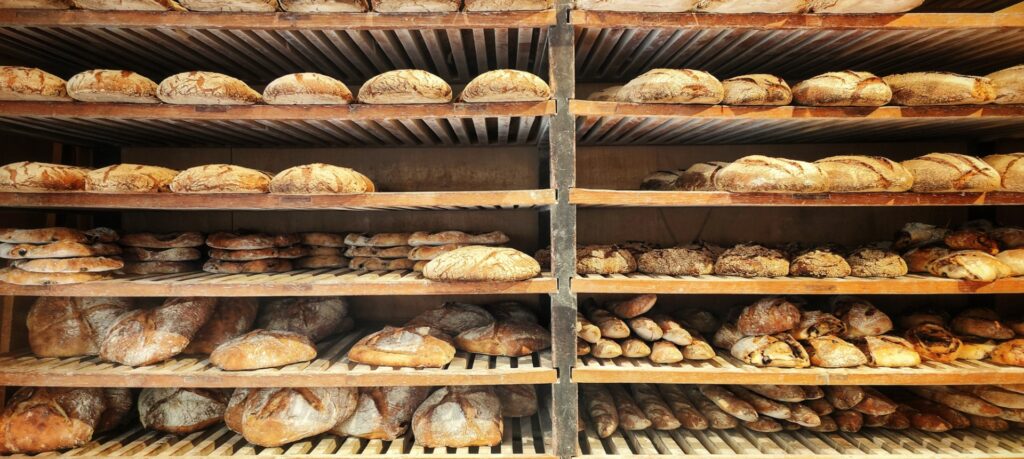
point(482, 264)
point(315, 317)
point(263, 349)
point(181, 411)
point(163, 240)
point(508, 5)
point(383, 413)
point(506, 86)
point(853, 174)
point(641, 6)
point(130, 178)
point(757, 89)
point(207, 88)
point(951, 172)
point(325, 6)
point(379, 252)
point(62, 249)
point(37, 4)
point(178, 254)
point(319, 178)
point(147, 336)
point(670, 86)
point(604, 259)
point(864, 7)
point(70, 265)
point(231, 318)
point(257, 254)
point(122, 86)
point(68, 327)
point(380, 264)
point(972, 265)
point(248, 6)
point(221, 178)
point(20, 277)
point(44, 419)
point(420, 238)
point(323, 240)
point(54, 234)
point(27, 83)
point(278, 416)
point(1011, 170)
point(457, 417)
point(677, 261)
point(27, 176)
point(406, 86)
point(143, 268)
point(506, 338)
point(422, 6)
point(377, 240)
point(417, 347)
point(1009, 84)
point(128, 5)
point(819, 263)
point(255, 241)
point(610, 94)
point(872, 262)
point(273, 265)
point(321, 262)
point(307, 89)
point(939, 88)
point(753, 6)
point(843, 89)
point(751, 260)
point(761, 174)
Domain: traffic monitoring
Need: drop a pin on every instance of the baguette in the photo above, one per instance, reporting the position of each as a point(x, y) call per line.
point(646, 328)
point(729, 402)
point(717, 419)
point(699, 349)
point(801, 414)
point(601, 408)
point(582, 348)
point(960, 401)
point(672, 331)
point(688, 415)
point(821, 406)
point(844, 397)
point(764, 425)
point(875, 404)
point(778, 393)
point(763, 405)
point(660, 414)
point(664, 352)
point(606, 349)
point(956, 419)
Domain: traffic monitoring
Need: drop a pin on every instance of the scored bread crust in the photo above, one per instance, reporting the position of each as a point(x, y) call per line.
point(850, 174)
point(754, 6)
point(1010, 168)
point(833, 352)
point(69, 327)
point(1009, 84)
point(181, 410)
point(63, 249)
point(820, 263)
point(951, 172)
point(840, 89)
point(761, 174)
point(405, 87)
point(27, 83)
point(505, 338)
point(383, 413)
point(130, 178)
point(33, 176)
point(756, 89)
point(232, 317)
point(643, 6)
point(206, 88)
point(872, 262)
point(453, 318)
point(417, 347)
point(671, 86)
point(263, 349)
point(277, 416)
point(128, 5)
point(482, 264)
point(319, 178)
point(751, 260)
point(315, 317)
point(70, 265)
point(377, 240)
point(122, 86)
point(45, 419)
point(677, 261)
point(221, 178)
point(506, 86)
point(508, 5)
point(251, 6)
point(418, 6)
point(421, 238)
point(939, 88)
point(457, 417)
point(325, 6)
point(306, 89)
point(147, 336)
point(604, 259)
point(163, 240)
point(864, 7)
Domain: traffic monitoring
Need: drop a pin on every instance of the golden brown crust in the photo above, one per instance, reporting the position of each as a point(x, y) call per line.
point(147, 336)
point(121, 86)
point(253, 241)
point(25, 176)
point(1009, 85)
point(1011, 170)
point(417, 347)
point(206, 88)
point(67, 327)
point(232, 317)
point(319, 178)
point(457, 417)
point(933, 342)
point(940, 88)
point(751, 260)
point(756, 89)
point(506, 86)
point(849, 174)
point(43, 419)
point(671, 86)
point(848, 88)
point(482, 264)
point(263, 349)
point(405, 86)
point(950, 172)
point(221, 178)
point(762, 174)
point(511, 339)
point(273, 265)
point(307, 89)
point(70, 265)
point(32, 84)
point(163, 240)
point(130, 178)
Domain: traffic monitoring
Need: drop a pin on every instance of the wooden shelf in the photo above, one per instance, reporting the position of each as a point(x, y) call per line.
point(520, 123)
point(431, 200)
point(619, 123)
point(907, 285)
point(629, 198)
point(332, 368)
point(311, 282)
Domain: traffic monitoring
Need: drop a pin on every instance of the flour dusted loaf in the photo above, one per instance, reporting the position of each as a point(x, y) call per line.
point(122, 86)
point(860, 317)
point(482, 264)
point(505, 338)
point(377, 240)
point(420, 6)
point(315, 317)
point(875, 262)
point(761, 174)
point(130, 178)
point(604, 259)
point(677, 261)
point(405, 87)
point(27, 176)
point(939, 88)
point(643, 6)
point(951, 172)
point(42, 419)
point(63, 249)
point(417, 347)
point(248, 6)
point(508, 5)
point(232, 317)
point(206, 88)
point(68, 327)
point(1013, 259)
point(752, 260)
point(973, 265)
point(424, 238)
point(325, 6)
point(263, 349)
point(181, 411)
point(307, 89)
point(670, 86)
point(270, 265)
point(864, 7)
point(382, 413)
point(277, 416)
point(319, 178)
point(888, 351)
point(759, 88)
point(1010, 168)
point(150, 335)
point(754, 6)
point(458, 417)
point(1009, 84)
point(27, 83)
point(221, 178)
point(838, 89)
point(128, 5)
point(768, 316)
point(853, 174)
point(506, 86)
point(453, 318)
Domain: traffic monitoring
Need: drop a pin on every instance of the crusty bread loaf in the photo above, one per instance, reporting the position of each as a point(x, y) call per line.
point(379, 252)
point(604, 259)
point(758, 88)
point(888, 351)
point(263, 349)
point(670, 86)
point(860, 317)
point(874, 262)
point(643, 6)
point(248, 6)
point(864, 7)
point(482, 264)
point(206, 88)
point(453, 318)
point(21, 277)
point(1013, 259)
point(36, 4)
point(421, 238)
point(27, 176)
point(232, 317)
point(382, 413)
point(325, 6)
point(271, 265)
point(130, 178)
point(307, 88)
point(258, 254)
point(221, 178)
point(839, 89)
point(27, 83)
point(70, 265)
point(324, 240)
point(754, 6)
point(980, 322)
point(146, 336)
point(951, 172)
point(1011, 170)
point(251, 241)
point(768, 316)
point(780, 351)
point(457, 417)
point(43, 419)
point(163, 240)
point(508, 338)
point(63, 249)
point(121, 86)
point(377, 240)
point(118, 406)
point(939, 88)
point(517, 400)
point(508, 5)
point(319, 178)
point(677, 261)
point(761, 174)
point(55, 234)
point(315, 317)
point(181, 411)
point(405, 86)
point(865, 173)
point(970, 265)
point(430, 252)
point(422, 6)
point(971, 239)
point(833, 352)
point(277, 416)
point(819, 263)
point(1009, 84)
point(381, 264)
point(67, 327)
point(933, 342)
point(751, 260)
point(417, 347)
point(506, 86)
point(128, 5)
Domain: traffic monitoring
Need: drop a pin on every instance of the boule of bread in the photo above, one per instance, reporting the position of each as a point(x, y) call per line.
point(263, 349)
point(315, 317)
point(458, 417)
point(860, 317)
point(248, 6)
point(850, 174)
point(181, 411)
point(506, 338)
point(972, 265)
point(232, 317)
point(604, 259)
point(761, 174)
point(130, 178)
point(758, 88)
point(250, 241)
point(44, 419)
point(671, 86)
point(68, 326)
point(820, 263)
point(752, 260)
point(506, 86)
point(149, 335)
point(939, 88)
point(833, 352)
point(641, 6)
point(63, 249)
point(919, 258)
point(307, 88)
point(70, 265)
point(482, 264)
point(768, 316)
point(933, 342)
point(863, 7)
point(843, 89)
point(405, 87)
point(814, 324)
point(781, 351)
point(1013, 259)
point(875, 262)
point(975, 348)
point(319, 178)
point(951, 172)
point(677, 261)
point(382, 413)
point(163, 240)
point(981, 322)
point(325, 6)
point(31, 84)
point(121, 86)
point(1010, 168)
point(417, 347)
point(610, 94)
point(206, 88)
point(1009, 84)
point(21, 277)
point(507, 5)
point(277, 416)
point(453, 318)
point(128, 5)
point(221, 178)
point(1009, 353)
point(26, 176)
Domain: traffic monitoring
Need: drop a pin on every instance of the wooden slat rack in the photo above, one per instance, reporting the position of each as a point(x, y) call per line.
point(310, 282)
point(908, 285)
point(617, 123)
point(332, 368)
point(520, 123)
point(629, 198)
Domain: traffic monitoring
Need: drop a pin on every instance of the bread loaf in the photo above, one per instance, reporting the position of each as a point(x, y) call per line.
point(377, 240)
point(278, 416)
point(221, 178)
point(159, 267)
point(1013, 259)
point(458, 417)
point(717, 419)
point(754, 6)
point(771, 351)
point(517, 400)
point(425, 6)
point(56, 234)
point(232, 317)
point(248, 6)
point(814, 324)
point(163, 241)
point(424, 238)
point(598, 403)
point(839, 89)
point(768, 316)
point(939, 88)
point(981, 322)
point(511, 339)
point(417, 347)
point(759, 88)
point(506, 86)
point(604, 259)
point(860, 317)
point(273, 265)
point(43, 419)
point(833, 352)
point(20, 277)
point(482, 264)
point(181, 411)
point(678, 261)
point(207, 88)
point(63, 249)
point(631, 417)
point(70, 265)
point(67, 327)
point(751, 260)
point(263, 349)
point(933, 342)
point(27, 83)
point(453, 318)
point(919, 258)
point(972, 265)
point(252, 241)
point(761, 174)
point(642, 6)
point(128, 5)
point(120, 86)
point(975, 348)
point(864, 7)
point(874, 262)
point(118, 406)
point(307, 88)
point(27, 176)
point(315, 317)
point(382, 413)
point(130, 178)
point(670, 86)
point(406, 86)
point(865, 173)
point(1010, 168)
point(36, 4)
point(150, 335)
point(325, 6)
point(320, 178)
point(1009, 84)
point(379, 252)
point(1009, 353)
point(507, 5)
point(819, 263)
point(950, 172)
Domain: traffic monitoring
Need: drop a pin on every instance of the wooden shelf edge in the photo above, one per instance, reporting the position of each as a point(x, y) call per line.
point(630, 198)
point(906, 21)
point(589, 108)
point(910, 285)
point(812, 376)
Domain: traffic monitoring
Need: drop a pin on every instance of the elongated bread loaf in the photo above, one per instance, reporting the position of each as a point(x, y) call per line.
point(758, 88)
point(843, 89)
point(306, 89)
point(27, 83)
point(761, 174)
point(1011, 170)
point(951, 172)
point(754, 6)
point(865, 173)
point(221, 178)
point(248, 6)
point(146, 336)
point(671, 86)
point(112, 86)
point(405, 87)
point(67, 327)
point(482, 264)
point(128, 5)
point(33, 176)
point(506, 86)
point(206, 88)
point(319, 178)
point(508, 5)
point(939, 88)
point(383, 413)
point(130, 178)
point(1009, 85)
point(421, 6)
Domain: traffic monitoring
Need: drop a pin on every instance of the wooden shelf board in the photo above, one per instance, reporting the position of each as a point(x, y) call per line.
point(311, 282)
point(907, 285)
point(906, 21)
point(630, 198)
point(600, 108)
point(439, 200)
point(332, 368)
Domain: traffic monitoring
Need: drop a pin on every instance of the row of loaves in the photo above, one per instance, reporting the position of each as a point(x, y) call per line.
point(38, 420)
point(291, 6)
point(209, 88)
point(833, 89)
point(773, 408)
point(931, 173)
point(750, 6)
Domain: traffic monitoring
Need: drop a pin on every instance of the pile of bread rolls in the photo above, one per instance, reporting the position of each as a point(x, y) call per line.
point(833, 89)
point(53, 256)
point(210, 88)
point(931, 173)
point(773, 408)
point(291, 6)
point(748, 6)
point(625, 329)
point(430, 339)
point(977, 251)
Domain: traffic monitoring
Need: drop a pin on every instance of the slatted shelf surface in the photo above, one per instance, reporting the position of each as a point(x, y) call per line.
point(747, 444)
point(616, 123)
point(258, 47)
point(518, 123)
point(631, 198)
point(967, 5)
point(309, 282)
point(912, 284)
point(332, 368)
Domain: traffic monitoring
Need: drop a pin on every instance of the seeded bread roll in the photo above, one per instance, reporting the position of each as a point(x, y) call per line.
point(221, 178)
point(319, 178)
point(950, 172)
point(848, 174)
point(181, 411)
point(417, 347)
point(643, 6)
point(130, 178)
point(457, 417)
point(972, 265)
point(382, 413)
point(507, 5)
point(308, 88)
point(147, 336)
point(506, 86)
point(842, 89)
point(482, 264)
point(872, 262)
point(1009, 84)
point(670, 86)
point(43, 419)
point(761, 174)
point(68, 327)
point(206, 88)
point(453, 318)
point(511, 339)
point(1011, 170)
point(405, 86)
point(27, 176)
point(751, 260)
point(864, 7)
point(758, 88)
point(768, 316)
point(31, 84)
point(939, 88)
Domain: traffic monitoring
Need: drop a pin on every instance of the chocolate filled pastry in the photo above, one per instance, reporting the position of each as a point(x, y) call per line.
point(876, 262)
point(933, 342)
point(860, 317)
point(819, 263)
point(917, 235)
point(918, 259)
point(781, 351)
point(832, 352)
point(971, 239)
point(981, 322)
point(814, 324)
point(768, 316)
point(752, 260)
point(888, 351)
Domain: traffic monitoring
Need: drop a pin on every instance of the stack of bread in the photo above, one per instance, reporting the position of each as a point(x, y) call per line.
point(291, 6)
point(430, 339)
point(162, 253)
point(54, 256)
point(323, 250)
point(400, 251)
point(977, 251)
point(625, 329)
point(235, 253)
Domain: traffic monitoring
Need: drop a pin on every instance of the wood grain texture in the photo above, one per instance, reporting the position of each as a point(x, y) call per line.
point(907, 21)
point(629, 198)
point(908, 285)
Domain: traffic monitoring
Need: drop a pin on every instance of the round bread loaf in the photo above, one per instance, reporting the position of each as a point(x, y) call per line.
point(430, 252)
point(1009, 353)
point(255, 241)
point(208, 88)
point(752, 260)
point(232, 317)
point(670, 86)
point(315, 317)
point(757, 89)
point(864, 6)
point(421, 238)
point(972, 265)
point(178, 254)
point(833, 352)
point(70, 265)
point(849, 174)
point(819, 263)
point(604, 259)
point(272, 265)
point(508, 5)
point(330, 240)
point(48, 235)
point(27, 83)
point(421, 6)
point(181, 411)
point(306, 89)
point(118, 403)
point(37, 4)
point(163, 240)
point(458, 417)
point(147, 336)
point(263, 349)
point(768, 316)
point(919, 258)
point(1011, 170)
point(417, 347)
point(506, 86)
point(641, 6)
point(507, 338)
point(142, 268)
point(753, 6)
point(278, 416)
point(1009, 84)
point(248, 6)
point(319, 178)
point(939, 88)
point(325, 6)
point(610, 94)
point(678, 261)
point(453, 318)
point(44, 419)
point(128, 5)
point(63, 249)
point(482, 264)
point(517, 400)
point(122, 86)
point(221, 178)
point(20, 277)
point(761, 174)
point(130, 178)
point(68, 327)
point(951, 172)
point(843, 89)
point(405, 87)
point(873, 262)
point(25, 176)
point(383, 413)
point(1013, 259)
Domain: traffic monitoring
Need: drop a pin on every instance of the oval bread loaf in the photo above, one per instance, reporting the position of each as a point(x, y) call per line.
point(319, 178)
point(864, 6)
point(122, 86)
point(970, 265)
point(761, 174)
point(1011, 170)
point(508, 5)
point(44, 419)
point(506, 86)
point(757, 89)
point(306, 89)
point(843, 89)
point(1009, 85)
point(482, 264)
point(848, 174)
point(36, 5)
point(405, 87)
point(641, 6)
point(33, 176)
point(939, 88)
point(416, 347)
point(950, 172)
point(146, 336)
point(232, 317)
point(419, 6)
point(754, 6)
point(383, 413)
point(221, 178)
point(263, 349)
point(457, 417)
point(325, 6)
point(248, 6)
point(130, 178)
point(68, 327)
point(128, 5)
point(206, 88)
point(70, 265)
point(27, 83)
point(670, 86)
point(277, 416)
point(181, 411)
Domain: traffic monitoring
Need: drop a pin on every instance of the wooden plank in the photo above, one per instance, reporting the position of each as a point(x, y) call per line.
point(907, 285)
point(1008, 18)
point(623, 109)
point(630, 198)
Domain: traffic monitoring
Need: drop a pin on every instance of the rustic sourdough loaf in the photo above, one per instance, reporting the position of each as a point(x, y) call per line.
point(32, 176)
point(670, 86)
point(939, 88)
point(864, 6)
point(768, 316)
point(604, 259)
point(319, 178)
point(27, 83)
point(405, 87)
point(752, 260)
point(508, 5)
point(677, 261)
point(1009, 85)
point(754, 6)
point(36, 4)
point(306, 89)
point(888, 351)
point(757, 89)
point(839, 89)
point(263, 349)
point(130, 178)
point(950, 172)
point(507, 338)
point(315, 317)
point(417, 347)
point(833, 352)
point(68, 327)
point(381, 264)
point(973, 265)
point(643, 6)
point(980, 322)
point(1013, 259)
point(128, 5)
point(453, 318)
point(43, 419)
point(377, 240)
point(150, 335)
point(761, 174)
point(781, 351)
point(819, 263)
point(421, 6)
point(112, 86)
point(1011, 170)
point(506, 86)
point(875, 262)
point(457, 417)
point(325, 6)
point(422, 238)
point(277, 416)
point(482, 264)
point(848, 174)
point(221, 178)
point(206, 88)
point(382, 413)
point(181, 411)
point(248, 6)
point(70, 265)
point(232, 317)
